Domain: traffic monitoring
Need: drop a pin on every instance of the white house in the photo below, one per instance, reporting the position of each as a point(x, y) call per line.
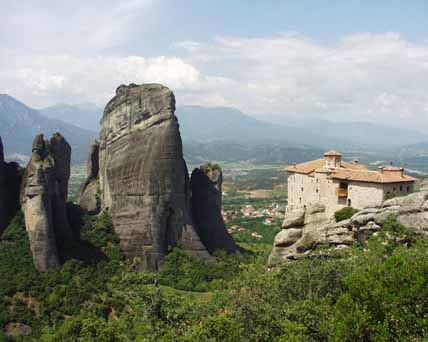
point(336, 184)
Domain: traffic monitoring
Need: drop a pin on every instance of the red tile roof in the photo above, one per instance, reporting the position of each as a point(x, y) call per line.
point(353, 171)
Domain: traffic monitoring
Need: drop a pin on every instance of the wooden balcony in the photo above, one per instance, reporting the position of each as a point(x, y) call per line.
point(341, 192)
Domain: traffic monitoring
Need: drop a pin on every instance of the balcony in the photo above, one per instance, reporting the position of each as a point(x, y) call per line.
point(342, 192)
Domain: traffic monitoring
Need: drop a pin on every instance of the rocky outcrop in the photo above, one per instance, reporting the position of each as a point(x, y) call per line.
point(206, 183)
point(10, 182)
point(142, 174)
point(304, 231)
point(89, 199)
point(43, 199)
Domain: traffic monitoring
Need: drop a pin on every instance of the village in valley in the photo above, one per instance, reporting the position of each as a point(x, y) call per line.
point(256, 197)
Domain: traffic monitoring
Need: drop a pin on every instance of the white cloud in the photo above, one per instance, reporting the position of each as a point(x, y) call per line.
point(363, 77)
point(46, 80)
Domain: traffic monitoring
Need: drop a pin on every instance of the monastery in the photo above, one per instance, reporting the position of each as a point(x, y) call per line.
point(337, 184)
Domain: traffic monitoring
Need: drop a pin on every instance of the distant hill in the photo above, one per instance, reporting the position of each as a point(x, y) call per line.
point(85, 115)
point(19, 124)
point(221, 133)
point(205, 124)
point(365, 134)
point(220, 123)
point(258, 153)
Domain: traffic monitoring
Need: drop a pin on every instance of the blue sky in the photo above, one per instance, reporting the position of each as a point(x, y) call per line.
point(276, 60)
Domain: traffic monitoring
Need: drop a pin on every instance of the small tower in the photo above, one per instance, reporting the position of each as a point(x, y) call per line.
point(332, 159)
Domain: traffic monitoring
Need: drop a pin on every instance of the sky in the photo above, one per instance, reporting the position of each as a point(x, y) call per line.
point(281, 61)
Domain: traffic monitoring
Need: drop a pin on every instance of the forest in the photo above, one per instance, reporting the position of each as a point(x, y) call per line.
point(378, 292)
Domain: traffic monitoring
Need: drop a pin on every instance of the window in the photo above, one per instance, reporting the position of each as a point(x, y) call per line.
point(317, 190)
point(349, 202)
point(302, 188)
point(401, 188)
point(300, 200)
point(393, 189)
point(408, 189)
point(343, 185)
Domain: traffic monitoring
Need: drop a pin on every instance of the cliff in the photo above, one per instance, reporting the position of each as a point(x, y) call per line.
point(206, 182)
point(10, 182)
point(143, 177)
point(305, 230)
point(43, 199)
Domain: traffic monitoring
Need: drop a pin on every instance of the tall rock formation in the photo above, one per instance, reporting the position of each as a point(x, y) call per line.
point(305, 230)
point(43, 199)
point(143, 176)
point(89, 199)
point(10, 181)
point(206, 183)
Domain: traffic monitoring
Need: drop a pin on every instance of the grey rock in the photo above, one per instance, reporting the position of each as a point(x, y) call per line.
point(89, 198)
point(43, 200)
point(294, 219)
point(143, 176)
point(10, 182)
point(206, 182)
point(287, 237)
point(92, 164)
point(362, 219)
point(410, 210)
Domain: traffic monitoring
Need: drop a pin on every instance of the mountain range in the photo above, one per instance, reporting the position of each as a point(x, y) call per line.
point(85, 115)
point(213, 133)
point(19, 124)
point(207, 124)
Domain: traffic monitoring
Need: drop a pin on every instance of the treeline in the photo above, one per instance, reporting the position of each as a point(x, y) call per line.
point(376, 293)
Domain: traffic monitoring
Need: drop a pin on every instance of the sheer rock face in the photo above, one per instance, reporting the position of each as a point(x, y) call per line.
point(89, 199)
point(143, 176)
point(206, 183)
point(303, 231)
point(43, 199)
point(10, 182)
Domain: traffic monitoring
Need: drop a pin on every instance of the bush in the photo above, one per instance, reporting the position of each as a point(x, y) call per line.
point(344, 213)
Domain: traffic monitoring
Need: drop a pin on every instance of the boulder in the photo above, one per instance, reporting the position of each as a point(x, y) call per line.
point(43, 199)
point(287, 237)
point(295, 218)
point(206, 182)
point(16, 330)
point(410, 210)
point(10, 182)
point(143, 176)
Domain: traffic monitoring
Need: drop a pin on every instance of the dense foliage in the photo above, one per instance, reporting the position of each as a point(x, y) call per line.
point(344, 213)
point(379, 293)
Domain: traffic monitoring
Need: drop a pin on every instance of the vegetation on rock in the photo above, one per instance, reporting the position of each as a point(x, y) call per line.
point(344, 213)
point(373, 294)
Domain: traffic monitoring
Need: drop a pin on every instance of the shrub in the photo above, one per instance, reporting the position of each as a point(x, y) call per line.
point(344, 213)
